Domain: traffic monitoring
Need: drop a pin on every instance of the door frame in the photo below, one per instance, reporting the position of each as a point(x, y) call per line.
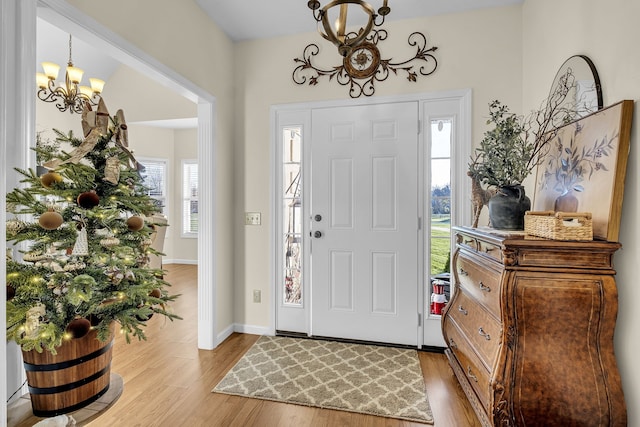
point(461, 214)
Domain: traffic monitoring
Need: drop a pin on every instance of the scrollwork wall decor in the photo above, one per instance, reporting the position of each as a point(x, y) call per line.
point(363, 66)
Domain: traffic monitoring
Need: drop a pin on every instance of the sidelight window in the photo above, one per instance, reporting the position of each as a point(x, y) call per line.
point(292, 215)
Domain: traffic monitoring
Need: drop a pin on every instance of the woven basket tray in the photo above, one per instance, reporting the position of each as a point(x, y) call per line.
point(559, 225)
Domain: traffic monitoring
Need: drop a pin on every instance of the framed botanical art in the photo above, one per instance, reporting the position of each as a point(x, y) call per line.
point(584, 168)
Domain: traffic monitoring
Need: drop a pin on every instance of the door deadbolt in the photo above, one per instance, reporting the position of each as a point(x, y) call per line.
point(318, 218)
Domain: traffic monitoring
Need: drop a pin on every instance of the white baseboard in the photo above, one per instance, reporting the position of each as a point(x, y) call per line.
point(250, 329)
point(180, 261)
point(243, 329)
point(224, 334)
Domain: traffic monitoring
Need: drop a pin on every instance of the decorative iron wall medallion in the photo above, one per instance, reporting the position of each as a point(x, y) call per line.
point(363, 66)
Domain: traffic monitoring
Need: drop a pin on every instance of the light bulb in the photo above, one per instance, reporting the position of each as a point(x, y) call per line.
point(51, 70)
point(86, 91)
point(42, 80)
point(97, 85)
point(75, 74)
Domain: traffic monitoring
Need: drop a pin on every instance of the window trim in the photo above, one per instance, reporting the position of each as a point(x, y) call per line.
point(183, 198)
point(165, 187)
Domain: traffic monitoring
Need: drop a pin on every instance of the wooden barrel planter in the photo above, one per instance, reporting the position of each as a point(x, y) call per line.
point(79, 374)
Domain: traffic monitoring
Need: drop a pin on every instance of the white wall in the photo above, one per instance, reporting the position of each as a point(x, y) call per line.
point(481, 50)
point(608, 33)
point(143, 99)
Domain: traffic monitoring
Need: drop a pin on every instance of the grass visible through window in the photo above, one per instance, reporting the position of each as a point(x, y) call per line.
point(440, 243)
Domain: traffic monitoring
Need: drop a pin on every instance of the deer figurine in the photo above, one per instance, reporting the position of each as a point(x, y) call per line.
point(479, 196)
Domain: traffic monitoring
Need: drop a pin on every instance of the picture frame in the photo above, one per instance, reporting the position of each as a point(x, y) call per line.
point(584, 168)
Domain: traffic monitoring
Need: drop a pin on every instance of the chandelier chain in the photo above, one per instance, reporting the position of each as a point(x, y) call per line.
point(70, 61)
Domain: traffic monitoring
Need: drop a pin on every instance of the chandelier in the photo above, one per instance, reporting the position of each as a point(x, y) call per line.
point(338, 34)
point(69, 96)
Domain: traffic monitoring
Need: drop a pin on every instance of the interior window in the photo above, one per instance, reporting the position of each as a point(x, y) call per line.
point(190, 198)
point(155, 179)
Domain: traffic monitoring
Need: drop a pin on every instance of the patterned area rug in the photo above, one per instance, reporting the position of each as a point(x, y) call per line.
point(368, 379)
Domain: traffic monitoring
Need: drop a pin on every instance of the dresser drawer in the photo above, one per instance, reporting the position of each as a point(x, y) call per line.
point(480, 281)
point(472, 368)
point(466, 241)
point(482, 330)
point(491, 250)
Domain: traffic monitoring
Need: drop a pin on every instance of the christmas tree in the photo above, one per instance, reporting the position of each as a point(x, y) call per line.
point(82, 239)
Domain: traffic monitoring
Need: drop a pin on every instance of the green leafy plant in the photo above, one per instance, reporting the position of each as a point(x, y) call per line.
point(504, 156)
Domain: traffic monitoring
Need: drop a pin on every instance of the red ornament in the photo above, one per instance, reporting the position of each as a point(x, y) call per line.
point(79, 327)
point(88, 199)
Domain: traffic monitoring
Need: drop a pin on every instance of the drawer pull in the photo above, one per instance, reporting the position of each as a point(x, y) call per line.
point(488, 249)
point(484, 334)
point(484, 287)
point(468, 241)
point(452, 343)
point(462, 310)
point(463, 272)
point(470, 375)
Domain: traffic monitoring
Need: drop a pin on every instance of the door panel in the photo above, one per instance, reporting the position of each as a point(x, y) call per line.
point(364, 186)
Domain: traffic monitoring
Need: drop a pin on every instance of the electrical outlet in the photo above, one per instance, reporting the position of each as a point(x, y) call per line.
point(257, 295)
point(252, 218)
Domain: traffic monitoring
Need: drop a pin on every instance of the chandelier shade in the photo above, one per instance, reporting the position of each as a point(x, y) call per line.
point(68, 95)
point(333, 25)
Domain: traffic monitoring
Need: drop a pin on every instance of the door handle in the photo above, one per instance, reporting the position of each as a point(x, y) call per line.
point(317, 234)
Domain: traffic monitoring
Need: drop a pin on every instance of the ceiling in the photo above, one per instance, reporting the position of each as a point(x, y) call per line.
point(286, 17)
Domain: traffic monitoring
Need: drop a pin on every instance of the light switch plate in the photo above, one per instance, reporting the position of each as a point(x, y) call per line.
point(252, 218)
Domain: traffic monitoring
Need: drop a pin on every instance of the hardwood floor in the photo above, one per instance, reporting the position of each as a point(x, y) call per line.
point(168, 381)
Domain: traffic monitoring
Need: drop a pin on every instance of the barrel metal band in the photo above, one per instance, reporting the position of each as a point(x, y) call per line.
point(72, 408)
point(70, 386)
point(69, 363)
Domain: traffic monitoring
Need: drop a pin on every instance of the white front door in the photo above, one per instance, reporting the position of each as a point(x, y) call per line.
point(364, 211)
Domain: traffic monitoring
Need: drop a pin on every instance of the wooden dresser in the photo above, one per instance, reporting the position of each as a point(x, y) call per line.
point(530, 329)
